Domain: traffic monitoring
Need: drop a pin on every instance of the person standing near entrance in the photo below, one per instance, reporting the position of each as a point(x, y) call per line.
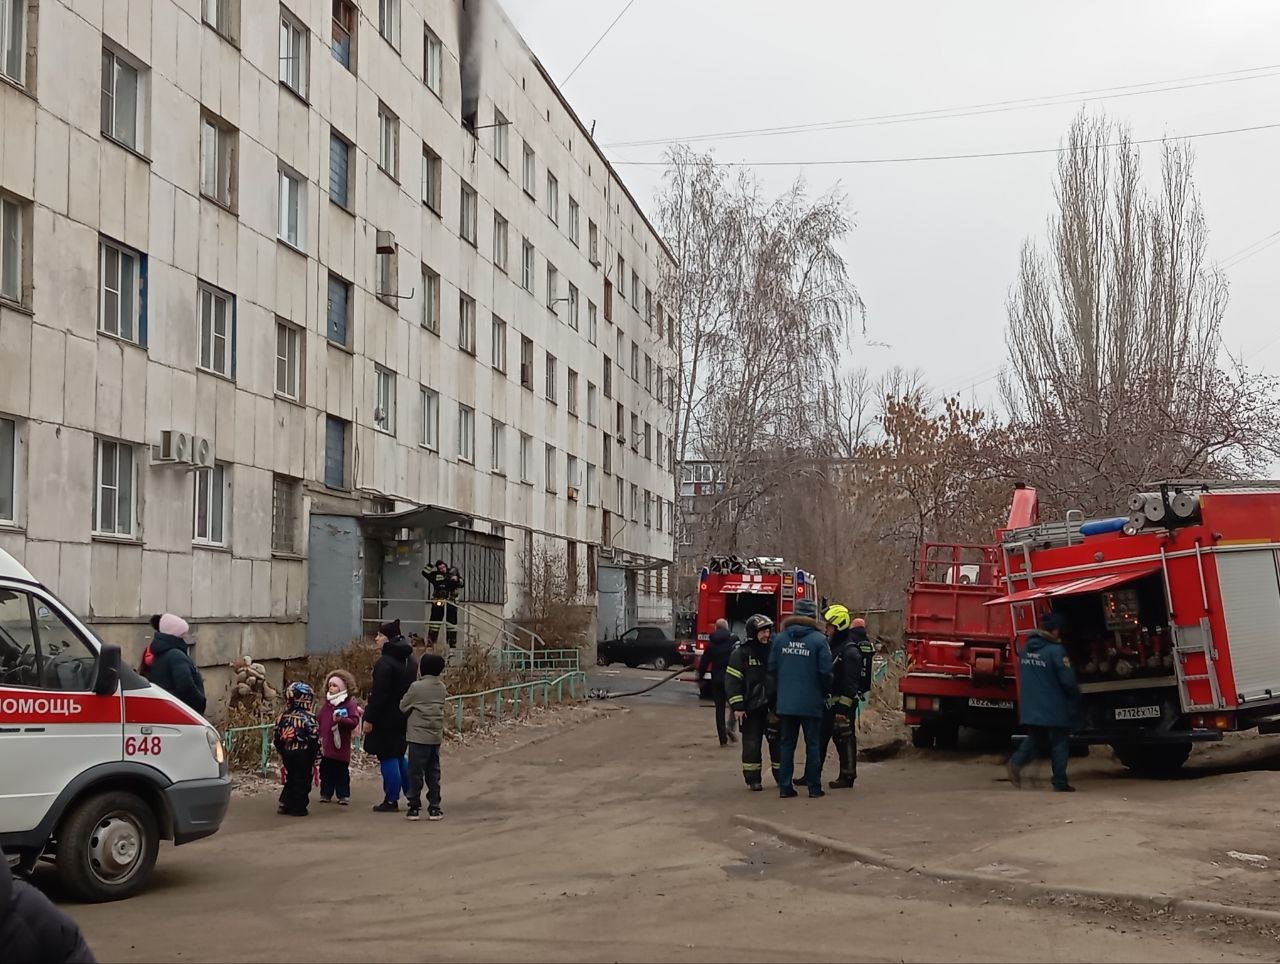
point(1048, 695)
point(714, 663)
point(384, 724)
point(800, 671)
point(445, 582)
point(746, 683)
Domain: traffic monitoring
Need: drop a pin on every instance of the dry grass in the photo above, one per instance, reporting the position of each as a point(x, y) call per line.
point(246, 748)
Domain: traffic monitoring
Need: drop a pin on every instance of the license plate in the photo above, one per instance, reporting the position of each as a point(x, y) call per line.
point(990, 704)
point(1137, 713)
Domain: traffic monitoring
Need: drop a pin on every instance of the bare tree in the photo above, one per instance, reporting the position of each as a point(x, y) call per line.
point(1113, 334)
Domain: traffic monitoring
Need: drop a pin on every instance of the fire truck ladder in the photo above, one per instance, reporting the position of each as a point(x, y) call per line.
point(1187, 641)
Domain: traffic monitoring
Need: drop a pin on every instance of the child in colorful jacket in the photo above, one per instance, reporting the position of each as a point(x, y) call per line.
point(297, 740)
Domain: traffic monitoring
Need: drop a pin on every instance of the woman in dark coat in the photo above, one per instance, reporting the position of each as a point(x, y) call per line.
point(384, 724)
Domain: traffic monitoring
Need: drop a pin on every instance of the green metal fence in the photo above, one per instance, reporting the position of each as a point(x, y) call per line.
point(502, 702)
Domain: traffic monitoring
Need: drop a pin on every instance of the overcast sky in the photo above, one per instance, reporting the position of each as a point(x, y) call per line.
point(936, 244)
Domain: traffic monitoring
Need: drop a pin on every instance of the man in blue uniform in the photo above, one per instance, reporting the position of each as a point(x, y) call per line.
point(800, 674)
point(1047, 698)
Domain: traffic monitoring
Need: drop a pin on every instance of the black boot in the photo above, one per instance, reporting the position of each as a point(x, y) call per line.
point(845, 782)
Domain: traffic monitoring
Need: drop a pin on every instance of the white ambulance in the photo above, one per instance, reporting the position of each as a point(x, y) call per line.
point(96, 764)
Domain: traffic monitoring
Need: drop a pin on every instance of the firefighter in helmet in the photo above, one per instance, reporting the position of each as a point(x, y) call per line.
point(745, 682)
point(444, 581)
point(851, 652)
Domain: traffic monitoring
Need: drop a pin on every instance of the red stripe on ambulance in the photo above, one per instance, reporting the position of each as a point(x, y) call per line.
point(152, 709)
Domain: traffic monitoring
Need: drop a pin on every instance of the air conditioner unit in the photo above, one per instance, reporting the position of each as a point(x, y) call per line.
point(202, 452)
point(385, 243)
point(174, 447)
point(572, 493)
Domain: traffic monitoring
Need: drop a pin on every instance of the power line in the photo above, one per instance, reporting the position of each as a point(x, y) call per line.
point(1257, 248)
point(956, 157)
point(968, 110)
point(597, 43)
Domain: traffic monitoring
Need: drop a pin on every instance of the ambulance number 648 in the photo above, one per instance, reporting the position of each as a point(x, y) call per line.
point(142, 746)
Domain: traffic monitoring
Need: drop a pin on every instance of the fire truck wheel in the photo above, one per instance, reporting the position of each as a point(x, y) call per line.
point(947, 735)
point(107, 846)
point(922, 737)
point(1152, 757)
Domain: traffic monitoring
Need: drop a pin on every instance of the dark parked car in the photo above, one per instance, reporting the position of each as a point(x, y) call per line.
point(643, 644)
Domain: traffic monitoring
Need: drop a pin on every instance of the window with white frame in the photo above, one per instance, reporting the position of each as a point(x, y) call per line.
point(429, 427)
point(123, 98)
point(120, 274)
point(648, 374)
point(498, 344)
point(648, 306)
point(223, 16)
point(387, 274)
point(293, 211)
point(217, 330)
point(432, 168)
point(466, 434)
point(593, 243)
point(13, 40)
point(289, 348)
point(648, 441)
point(618, 497)
point(468, 217)
point(660, 506)
point(551, 378)
point(553, 197)
point(573, 306)
point(497, 443)
point(432, 60)
point(8, 470)
point(501, 138)
point(388, 141)
point(549, 467)
point(593, 404)
point(526, 362)
point(211, 518)
point(593, 323)
point(526, 458)
point(661, 446)
point(286, 510)
point(635, 291)
point(571, 474)
point(635, 362)
point(607, 463)
point(295, 44)
point(648, 510)
point(467, 323)
point(635, 502)
point(657, 386)
point(389, 21)
point(553, 286)
point(526, 265)
point(115, 485)
point(384, 399)
point(430, 300)
point(575, 215)
point(571, 393)
point(217, 160)
point(500, 233)
point(530, 170)
point(592, 493)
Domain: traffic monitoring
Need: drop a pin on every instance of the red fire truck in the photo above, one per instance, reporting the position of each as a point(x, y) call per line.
point(1172, 614)
point(960, 664)
point(732, 589)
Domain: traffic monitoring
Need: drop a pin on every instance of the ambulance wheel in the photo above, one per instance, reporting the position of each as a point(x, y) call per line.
point(922, 737)
point(1153, 757)
point(107, 846)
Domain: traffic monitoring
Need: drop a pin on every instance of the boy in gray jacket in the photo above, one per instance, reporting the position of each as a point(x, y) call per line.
point(423, 706)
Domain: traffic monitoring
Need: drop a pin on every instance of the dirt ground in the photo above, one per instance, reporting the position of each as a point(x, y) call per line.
point(610, 840)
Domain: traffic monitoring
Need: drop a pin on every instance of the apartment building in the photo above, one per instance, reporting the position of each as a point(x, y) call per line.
point(297, 296)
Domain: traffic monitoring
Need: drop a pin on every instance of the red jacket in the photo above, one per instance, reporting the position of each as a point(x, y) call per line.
point(345, 726)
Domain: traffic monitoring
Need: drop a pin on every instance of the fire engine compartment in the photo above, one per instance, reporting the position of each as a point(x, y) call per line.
point(739, 607)
point(1119, 634)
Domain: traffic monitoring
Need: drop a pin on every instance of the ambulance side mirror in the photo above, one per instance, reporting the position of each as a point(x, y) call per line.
point(108, 671)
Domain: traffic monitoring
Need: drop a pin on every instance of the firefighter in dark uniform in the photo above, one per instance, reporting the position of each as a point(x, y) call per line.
point(444, 581)
point(851, 653)
point(745, 682)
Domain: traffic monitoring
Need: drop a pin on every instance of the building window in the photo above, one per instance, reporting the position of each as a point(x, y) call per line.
point(212, 506)
point(526, 265)
point(388, 141)
point(635, 433)
point(339, 170)
point(530, 170)
point(593, 323)
point(387, 272)
point(553, 285)
point(8, 470)
point(571, 393)
point(122, 98)
point(671, 392)
point(286, 503)
point(648, 374)
point(526, 458)
point(466, 434)
point(497, 435)
point(338, 310)
point(659, 320)
point(635, 291)
point(120, 301)
point(389, 21)
point(593, 243)
point(620, 422)
point(573, 306)
point(293, 210)
point(551, 378)
point(295, 43)
point(343, 46)
point(620, 279)
point(467, 226)
point(499, 242)
point(432, 60)
point(223, 16)
point(571, 477)
point(13, 40)
point(114, 503)
point(635, 503)
point(430, 300)
point(635, 362)
point(217, 331)
point(549, 467)
point(217, 160)
point(501, 138)
point(648, 510)
point(648, 441)
point(384, 399)
point(659, 506)
point(335, 452)
point(607, 383)
point(526, 363)
point(431, 178)
point(592, 494)
point(648, 306)
point(553, 197)
point(661, 447)
point(498, 341)
point(593, 404)
point(607, 464)
point(289, 347)
point(657, 386)
point(429, 432)
point(575, 216)
point(467, 323)
point(608, 300)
